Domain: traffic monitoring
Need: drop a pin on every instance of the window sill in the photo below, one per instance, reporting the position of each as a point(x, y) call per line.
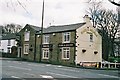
point(66, 42)
point(65, 58)
point(45, 58)
point(46, 43)
point(27, 41)
point(26, 53)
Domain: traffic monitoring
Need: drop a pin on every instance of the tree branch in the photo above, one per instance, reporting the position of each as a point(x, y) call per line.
point(113, 2)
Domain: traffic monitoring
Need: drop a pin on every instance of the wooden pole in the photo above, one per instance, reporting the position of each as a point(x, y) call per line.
point(42, 31)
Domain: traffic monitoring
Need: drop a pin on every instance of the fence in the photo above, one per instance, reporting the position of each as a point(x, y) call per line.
point(110, 65)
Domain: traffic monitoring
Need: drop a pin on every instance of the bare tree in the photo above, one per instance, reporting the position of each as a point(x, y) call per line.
point(112, 1)
point(11, 28)
point(118, 37)
point(107, 24)
point(93, 9)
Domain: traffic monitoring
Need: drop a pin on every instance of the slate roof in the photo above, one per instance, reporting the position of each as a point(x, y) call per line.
point(62, 28)
point(34, 27)
point(8, 36)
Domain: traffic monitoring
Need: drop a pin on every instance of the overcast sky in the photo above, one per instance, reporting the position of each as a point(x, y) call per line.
point(57, 12)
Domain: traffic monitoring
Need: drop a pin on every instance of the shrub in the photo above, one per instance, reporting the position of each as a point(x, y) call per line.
point(112, 59)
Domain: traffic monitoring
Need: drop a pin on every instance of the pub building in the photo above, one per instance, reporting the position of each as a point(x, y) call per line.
point(73, 44)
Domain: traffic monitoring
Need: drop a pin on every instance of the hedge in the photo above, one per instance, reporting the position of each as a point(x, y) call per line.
point(112, 59)
point(7, 55)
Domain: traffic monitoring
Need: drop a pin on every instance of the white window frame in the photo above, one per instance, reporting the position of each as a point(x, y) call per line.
point(65, 36)
point(64, 53)
point(45, 53)
point(25, 48)
point(46, 39)
point(26, 35)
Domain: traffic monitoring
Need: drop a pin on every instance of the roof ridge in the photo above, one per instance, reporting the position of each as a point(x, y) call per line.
point(63, 28)
point(67, 24)
point(37, 28)
point(32, 25)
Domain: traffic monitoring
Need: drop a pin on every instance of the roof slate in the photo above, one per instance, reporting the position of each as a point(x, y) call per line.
point(8, 36)
point(62, 28)
point(34, 27)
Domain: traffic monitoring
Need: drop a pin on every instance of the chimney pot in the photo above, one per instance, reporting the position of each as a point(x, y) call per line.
point(87, 18)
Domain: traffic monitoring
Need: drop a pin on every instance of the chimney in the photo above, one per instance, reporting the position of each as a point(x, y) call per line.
point(87, 18)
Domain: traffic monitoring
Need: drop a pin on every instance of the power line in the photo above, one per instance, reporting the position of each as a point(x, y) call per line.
point(22, 6)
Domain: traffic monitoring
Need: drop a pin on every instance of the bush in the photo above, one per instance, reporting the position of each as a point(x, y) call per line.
point(112, 59)
point(117, 59)
point(7, 55)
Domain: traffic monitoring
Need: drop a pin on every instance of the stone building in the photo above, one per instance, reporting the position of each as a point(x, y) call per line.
point(70, 44)
point(26, 42)
point(64, 44)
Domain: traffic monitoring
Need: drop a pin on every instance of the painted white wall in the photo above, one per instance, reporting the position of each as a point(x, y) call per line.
point(83, 42)
point(4, 45)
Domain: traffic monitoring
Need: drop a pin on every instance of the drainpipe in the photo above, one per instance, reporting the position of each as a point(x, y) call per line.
point(35, 49)
point(75, 48)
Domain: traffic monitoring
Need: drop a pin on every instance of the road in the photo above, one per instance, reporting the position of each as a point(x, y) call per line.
point(21, 70)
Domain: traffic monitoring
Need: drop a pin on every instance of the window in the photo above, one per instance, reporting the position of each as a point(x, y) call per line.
point(66, 53)
point(9, 42)
point(27, 35)
point(66, 37)
point(91, 37)
point(46, 39)
point(45, 53)
point(8, 50)
point(26, 48)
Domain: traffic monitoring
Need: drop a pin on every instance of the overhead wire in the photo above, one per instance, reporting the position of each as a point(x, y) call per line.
point(23, 6)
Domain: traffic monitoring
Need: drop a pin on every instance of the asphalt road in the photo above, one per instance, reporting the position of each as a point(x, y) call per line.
point(20, 70)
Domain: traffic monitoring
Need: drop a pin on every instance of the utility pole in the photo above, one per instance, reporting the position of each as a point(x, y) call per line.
point(42, 31)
